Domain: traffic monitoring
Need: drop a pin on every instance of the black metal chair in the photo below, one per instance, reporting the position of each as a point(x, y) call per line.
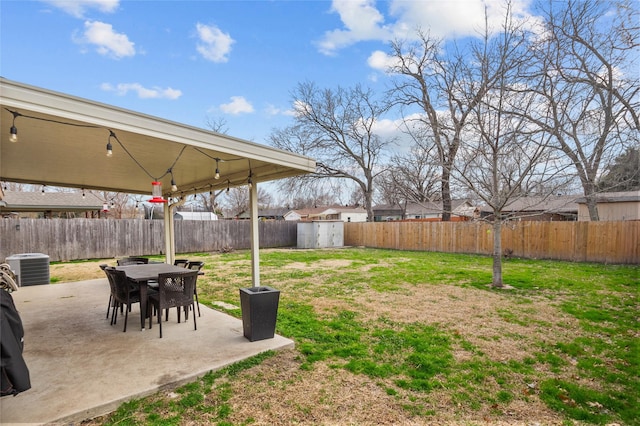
point(132, 261)
point(181, 262)
point(175, 289)
point(124, 294)
point(196, 266)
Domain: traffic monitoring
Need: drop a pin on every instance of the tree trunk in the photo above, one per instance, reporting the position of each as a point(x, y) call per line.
point(593, 208)
point(368, 201)
point(497, 253)
point(446, 194)
point(590, 195)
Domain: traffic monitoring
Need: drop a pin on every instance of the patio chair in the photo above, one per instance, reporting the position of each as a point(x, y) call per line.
point(196, 266)
point(181, 262)
point(178, 262)
point(123, 294)
point(104, 266)
point(175, 289)
point(132, 261)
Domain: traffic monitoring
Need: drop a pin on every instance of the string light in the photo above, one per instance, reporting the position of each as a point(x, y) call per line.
point(83, 193)
point(250, 181)
point(109, 146)
point(174, 187)
point(14, 130)
point(42, 190)
point(109, 153)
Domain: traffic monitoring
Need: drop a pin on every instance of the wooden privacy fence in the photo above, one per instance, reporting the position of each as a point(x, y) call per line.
point(604, 242)
point(71, 239)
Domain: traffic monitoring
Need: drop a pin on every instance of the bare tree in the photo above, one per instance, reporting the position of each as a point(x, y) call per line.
point(217, 124)
point(208, 200)
point(446, 86)
point(589, 92)
point(413, 177)
point(337, 128)
point(504, 153)
point(236, 200)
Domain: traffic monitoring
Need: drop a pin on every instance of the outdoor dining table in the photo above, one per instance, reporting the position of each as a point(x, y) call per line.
point(142, 274)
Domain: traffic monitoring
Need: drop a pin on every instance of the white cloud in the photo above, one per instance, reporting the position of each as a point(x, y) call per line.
point(452, 18)
point(238, 105)
point(362, 21)
point(387, 128)
point(273, 110)
point(78, 8)
point(107, 41)
point(214, 45)
point(443, 19)
point(144, 93)
point(379, 60)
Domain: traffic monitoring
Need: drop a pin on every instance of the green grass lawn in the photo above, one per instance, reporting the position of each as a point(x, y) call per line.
point(426, 326)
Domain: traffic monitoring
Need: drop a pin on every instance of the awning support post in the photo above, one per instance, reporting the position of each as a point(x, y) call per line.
point(255, 235)
point(169, 234)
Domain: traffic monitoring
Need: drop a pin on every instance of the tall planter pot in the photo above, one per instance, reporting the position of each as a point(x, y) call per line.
point(259, 311)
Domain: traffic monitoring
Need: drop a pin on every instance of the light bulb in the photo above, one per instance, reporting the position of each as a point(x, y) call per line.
point(109, 149)
point(14, 134)
point(217, 176)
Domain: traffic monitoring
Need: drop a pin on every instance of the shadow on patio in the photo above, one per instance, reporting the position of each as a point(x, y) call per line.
point(82, 367)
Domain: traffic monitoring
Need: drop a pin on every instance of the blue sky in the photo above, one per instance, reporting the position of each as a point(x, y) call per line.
point(190, 61)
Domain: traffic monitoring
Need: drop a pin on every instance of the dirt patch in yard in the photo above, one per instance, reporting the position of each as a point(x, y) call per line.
point(321, 264)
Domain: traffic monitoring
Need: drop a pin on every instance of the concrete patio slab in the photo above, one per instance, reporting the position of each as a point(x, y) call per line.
point(82, 367)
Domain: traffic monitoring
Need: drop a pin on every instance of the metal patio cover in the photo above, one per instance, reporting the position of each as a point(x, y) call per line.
point(62, 141)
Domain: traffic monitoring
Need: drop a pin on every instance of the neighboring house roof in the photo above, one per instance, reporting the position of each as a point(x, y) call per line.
point(326, 210)
point(550, 204)
point(613, 197)
point(264, 213)
point(341, 209)
point(272, 213)
point(460, 207)
point(435, 207)
point(565, 203)
point(49, 201)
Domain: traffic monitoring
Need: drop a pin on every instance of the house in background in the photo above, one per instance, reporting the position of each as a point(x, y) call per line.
point(272, 214)
point(551, 208)
point(264, 214)
point(428, 211)
point(17, 204)
point(613, 206)
point(343, 213)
